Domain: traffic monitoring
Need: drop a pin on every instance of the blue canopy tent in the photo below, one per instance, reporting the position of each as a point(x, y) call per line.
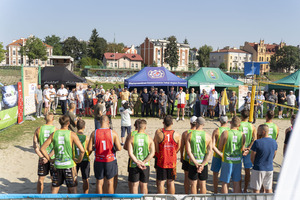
point(154, 76)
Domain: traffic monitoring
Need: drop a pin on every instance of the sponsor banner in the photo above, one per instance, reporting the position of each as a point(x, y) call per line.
point(243, 89)
point(207, 88)
point(30, 82)
point(9, 96)
point(8, 117)
point(20, 103)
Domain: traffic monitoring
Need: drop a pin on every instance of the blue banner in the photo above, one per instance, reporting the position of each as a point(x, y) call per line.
point(9, 96)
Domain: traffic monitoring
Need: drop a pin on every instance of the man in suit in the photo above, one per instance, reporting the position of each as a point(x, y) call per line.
point(171, 100)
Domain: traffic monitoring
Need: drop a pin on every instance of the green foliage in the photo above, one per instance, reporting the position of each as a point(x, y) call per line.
point(2, 52)
point(203, 57)
point(115, 48)
point(74, 48)
point(171, 55)
point(154, 64)
point(88, 61)
point(34, 48)
point(223, 67)
point(185, 41)
point(54, 41)
point(285, 58)
point(96, 46)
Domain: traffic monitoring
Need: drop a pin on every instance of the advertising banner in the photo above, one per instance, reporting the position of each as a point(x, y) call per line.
point(30, 82)
point(8, 117)
point(207, 88)
point(243, 89)
point(9, 96)
point(20, 103)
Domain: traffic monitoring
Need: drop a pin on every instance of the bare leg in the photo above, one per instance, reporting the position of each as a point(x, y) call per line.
point(255, 191)
point(40, 184)
point(85, 186)
point(110, 186)
point(178, 110)
point(269, 191)
point(134, 187)
point(215, 181)
point(186, 182)
point(224, 188)
point(247, 179)
point(193, 184)
point(236, 187)
point(202, 185)
point(115, 182)
point(182, 110)
point(170, 186)
point(72, 190)
point(161, 186)
point(144, 188)
point(54, 190)
point(99, 186)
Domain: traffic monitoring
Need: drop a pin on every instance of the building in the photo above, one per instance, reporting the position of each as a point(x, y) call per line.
point(62, 61)
point(122, 61)
point(262, 52)
point(152, 52)
point(15, 58)
point(233, 58)
point(130, 50)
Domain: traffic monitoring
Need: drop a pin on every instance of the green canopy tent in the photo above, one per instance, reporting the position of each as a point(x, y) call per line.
point(293, 79)
point(212, 76)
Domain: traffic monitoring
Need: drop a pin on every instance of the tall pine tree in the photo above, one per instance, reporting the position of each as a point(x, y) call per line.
point(171, 55)
point(96, 46)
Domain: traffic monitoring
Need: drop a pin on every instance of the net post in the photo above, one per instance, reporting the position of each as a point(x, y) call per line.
point(252, 103)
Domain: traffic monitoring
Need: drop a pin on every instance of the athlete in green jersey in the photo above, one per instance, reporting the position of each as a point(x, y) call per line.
point(217, 159)
point(41, 134)
point(199, 149)
point(184, 158)
point(64, 163)
point(141, 151)
point(273, 128)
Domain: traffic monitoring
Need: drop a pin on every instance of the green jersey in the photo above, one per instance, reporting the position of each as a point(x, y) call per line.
point(221, 130)
point(44, 133)
point(273, 131)
point(247, 129)
point(76, 151)
point(232, 150)
point(133, 133)
point(63, 149)
point(198, 146)
point(140, 148)
point(185, 155)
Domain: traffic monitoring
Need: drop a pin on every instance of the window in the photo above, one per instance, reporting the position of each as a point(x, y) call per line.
point(14, 61)
point(158, 61)
point(136, 65)
point(47, 53)
point(267, 58)
point(230, 57)
point(183, 54)
point(132, 65)
point(27, 62)
point(14, 52)
point(111, 65)
point(158, 52)
point(48, 62)
point(19, 61)
point(116, 65)
point(124, 65)
point(183, 61)
point(43, 62)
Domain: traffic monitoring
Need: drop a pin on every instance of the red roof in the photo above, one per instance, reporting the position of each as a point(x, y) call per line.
point(117, 56)
point(19, 42)
point(229, 50)
point(270, 48)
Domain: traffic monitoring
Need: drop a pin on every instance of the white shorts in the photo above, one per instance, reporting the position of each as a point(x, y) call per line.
point(259, 178)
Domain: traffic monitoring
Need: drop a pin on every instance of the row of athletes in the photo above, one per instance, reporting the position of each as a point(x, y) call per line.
point(64, 148)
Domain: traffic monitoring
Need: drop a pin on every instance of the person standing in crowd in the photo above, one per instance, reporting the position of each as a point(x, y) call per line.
point(281, 100)
point(167, 144)
point(291, 101)
point(98, 112)
point(155, 103)
point(263, 152)
point(272, 97)
point(124, 96)
point(222, 108)
point(84, 165)
point(41, 134)
point(62, 94)
point(52, 92)
point(187, 97)
point(171, 101)
point(63, 141)
point(105, 142)
point(106, 96)
point(204, 97)
point(192, 101)
point(213, 101)
point(151, 92)
point(101, 89)
point(89, 94)
point(73, 119)
point(38, 95)
point(232, 145)
point(72, 98)
point(247, 101)
point(217, 156)
point(47, 100)
point(125, 113)
point(260, 104)
point(181, 102)
point(273, 128)
point(232, 104)
point(145, 99)
point(288, 133)
point(134, 99)
point(141, 150)
point(97, 90)
point(114, 100)
point(250, 135)
point(80, 97)
point(163, 99)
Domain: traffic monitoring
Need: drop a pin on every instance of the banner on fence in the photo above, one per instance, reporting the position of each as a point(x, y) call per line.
point(30, 83)
point(20, 103)
point(243, 89)
point(8, 117)
point(9, 96)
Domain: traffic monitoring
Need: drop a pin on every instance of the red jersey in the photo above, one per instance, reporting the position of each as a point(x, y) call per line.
point(104, 146)
point(167, 155)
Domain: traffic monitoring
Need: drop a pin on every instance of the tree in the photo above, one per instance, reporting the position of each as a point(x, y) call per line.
point(74, 48)
point(171, 55)
point(223, 67)
point(185, 41)
point(34, 48)
point(54, 41)
point(203, 57)
point(285, 59)
point(96, 46)
point(88, 61)
point(115, 48)
point(2, 52)
point(154, 64)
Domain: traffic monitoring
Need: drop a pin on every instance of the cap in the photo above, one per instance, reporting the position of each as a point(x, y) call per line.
point(123, 102)
point(223, 119)
point(46, 86)
point(101, 86)
point(193, 120)
point(125, 88)
point(200, 121)
point(213, 90)
point(180, 88)
point(89, 86)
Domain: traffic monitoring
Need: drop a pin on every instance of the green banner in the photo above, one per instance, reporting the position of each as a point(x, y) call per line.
point(8, 117)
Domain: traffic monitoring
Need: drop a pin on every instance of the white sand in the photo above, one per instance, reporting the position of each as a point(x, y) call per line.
point(18, 168)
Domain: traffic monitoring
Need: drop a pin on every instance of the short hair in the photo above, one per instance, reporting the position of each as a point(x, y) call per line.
point(49, 117)
point(270, 114)
point(136, 123)
point(104, 118)
point(236, 121)
point(72, 105)
point(80, 124)
point(168, 120)
point(245, 114)
point(293, 117)
point(142, 124)
point(64, 120)
point(263, 127)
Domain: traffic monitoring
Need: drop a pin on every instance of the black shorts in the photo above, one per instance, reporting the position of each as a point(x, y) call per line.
point(280, 108)
point(136, 174)
point(67, 175)
point(105, 169)
point(89, 103)
point(84, 167)
point(185, 165)
point(165, 173)
point(44, 169)
point(155, 161)
point(201, 176)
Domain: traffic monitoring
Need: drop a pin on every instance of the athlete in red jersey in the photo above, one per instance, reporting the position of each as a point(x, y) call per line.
point(106, 142)
point(167, 144)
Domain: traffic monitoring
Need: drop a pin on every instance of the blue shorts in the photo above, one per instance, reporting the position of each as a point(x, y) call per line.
point(216, 164)
point(247, 161)
point(232, 171)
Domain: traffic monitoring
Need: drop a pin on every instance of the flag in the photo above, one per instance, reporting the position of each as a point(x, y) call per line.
point(224, 100)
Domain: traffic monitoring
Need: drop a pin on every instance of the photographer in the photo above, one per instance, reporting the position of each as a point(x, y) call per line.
point(125, 112)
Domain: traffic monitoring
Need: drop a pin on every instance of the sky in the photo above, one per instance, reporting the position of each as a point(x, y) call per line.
point(217, 23)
